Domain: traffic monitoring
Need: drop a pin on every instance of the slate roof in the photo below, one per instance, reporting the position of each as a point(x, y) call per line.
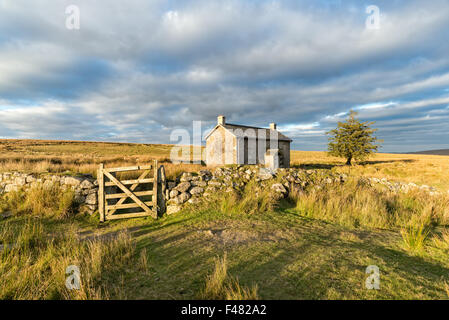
point(250, 133)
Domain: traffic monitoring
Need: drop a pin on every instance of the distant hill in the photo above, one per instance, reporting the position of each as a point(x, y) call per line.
point(440, 152)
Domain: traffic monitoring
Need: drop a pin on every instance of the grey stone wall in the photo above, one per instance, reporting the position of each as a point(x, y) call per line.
point(192, 187)
point(84, 187)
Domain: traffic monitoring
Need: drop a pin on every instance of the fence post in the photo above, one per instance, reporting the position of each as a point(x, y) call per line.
point(155, 183)
point(100, 179)
point(163, 181)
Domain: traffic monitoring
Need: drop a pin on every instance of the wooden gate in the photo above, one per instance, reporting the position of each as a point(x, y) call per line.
point(121, 198)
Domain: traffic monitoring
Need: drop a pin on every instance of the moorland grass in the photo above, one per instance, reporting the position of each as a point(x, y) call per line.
point(314, 245)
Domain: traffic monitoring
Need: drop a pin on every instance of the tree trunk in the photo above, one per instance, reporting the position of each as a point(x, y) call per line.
point(348, 162)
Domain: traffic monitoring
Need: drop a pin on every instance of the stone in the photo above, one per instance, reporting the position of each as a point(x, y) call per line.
point(214, 183)
point(11, 187)
point(86, 184)
point(277, 187)
point(20, 181)
point(90, 209)
point(186, 176)
point(79, 199)
point(94, 190)
point(30, 179)
point(91, 199)
point(183, 197)
point(173, 209)
point(265, 174)
point(183, 186)
point(199, 183)
point(196, 190)
point(194, 200)
point(171, 185)
point(174, 193)
point(72, 181)
point(204, 174)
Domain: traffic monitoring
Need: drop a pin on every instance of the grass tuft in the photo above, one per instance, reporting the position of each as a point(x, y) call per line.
point(221, 286)
point(414, 237)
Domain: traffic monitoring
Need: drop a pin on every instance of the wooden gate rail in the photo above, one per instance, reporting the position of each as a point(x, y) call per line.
point(108, 210)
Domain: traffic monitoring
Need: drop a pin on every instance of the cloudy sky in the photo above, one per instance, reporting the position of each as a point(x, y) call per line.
point(138, 69)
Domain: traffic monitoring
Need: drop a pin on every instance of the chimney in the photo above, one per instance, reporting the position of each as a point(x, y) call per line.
point(221, 119)
point(273, 126)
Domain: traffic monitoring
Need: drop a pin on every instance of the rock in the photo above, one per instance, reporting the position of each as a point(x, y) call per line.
point(173, 209)
point(186, 176)
point(30, 179)
point(205, 175)
point(194, 200)
point(72, 181)
point(79, 199)
point(183, 197)
point(183, 186)
point(174, 193)
point(11, 187)
point(20, 181)
point(86, 184)
point(199, 183)
point(171, 185)
point(90, 209)
point(277, 187)
point(214, 183)
point(94, 190)
point(196, 190)
point(91, 199)
point(265, 174)
point(218, 172)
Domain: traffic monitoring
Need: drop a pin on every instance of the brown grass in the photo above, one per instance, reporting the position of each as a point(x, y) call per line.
point(420, 169)
point(85, 157)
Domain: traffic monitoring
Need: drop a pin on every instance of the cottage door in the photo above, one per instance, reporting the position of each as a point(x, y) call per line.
point(245, 150)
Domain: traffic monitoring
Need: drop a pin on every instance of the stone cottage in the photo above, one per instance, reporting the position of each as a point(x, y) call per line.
point(238, 144)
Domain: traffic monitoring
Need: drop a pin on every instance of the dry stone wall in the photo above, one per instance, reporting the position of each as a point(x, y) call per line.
point(84, 187)
point(192, 187)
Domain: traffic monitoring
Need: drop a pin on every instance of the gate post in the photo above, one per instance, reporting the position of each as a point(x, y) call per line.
point(155, 183)
point(100, 179)
point(161, 196)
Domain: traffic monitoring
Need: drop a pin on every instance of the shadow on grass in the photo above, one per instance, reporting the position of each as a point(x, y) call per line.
point(371, 162)
point(329, 166)
point(308, 270)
